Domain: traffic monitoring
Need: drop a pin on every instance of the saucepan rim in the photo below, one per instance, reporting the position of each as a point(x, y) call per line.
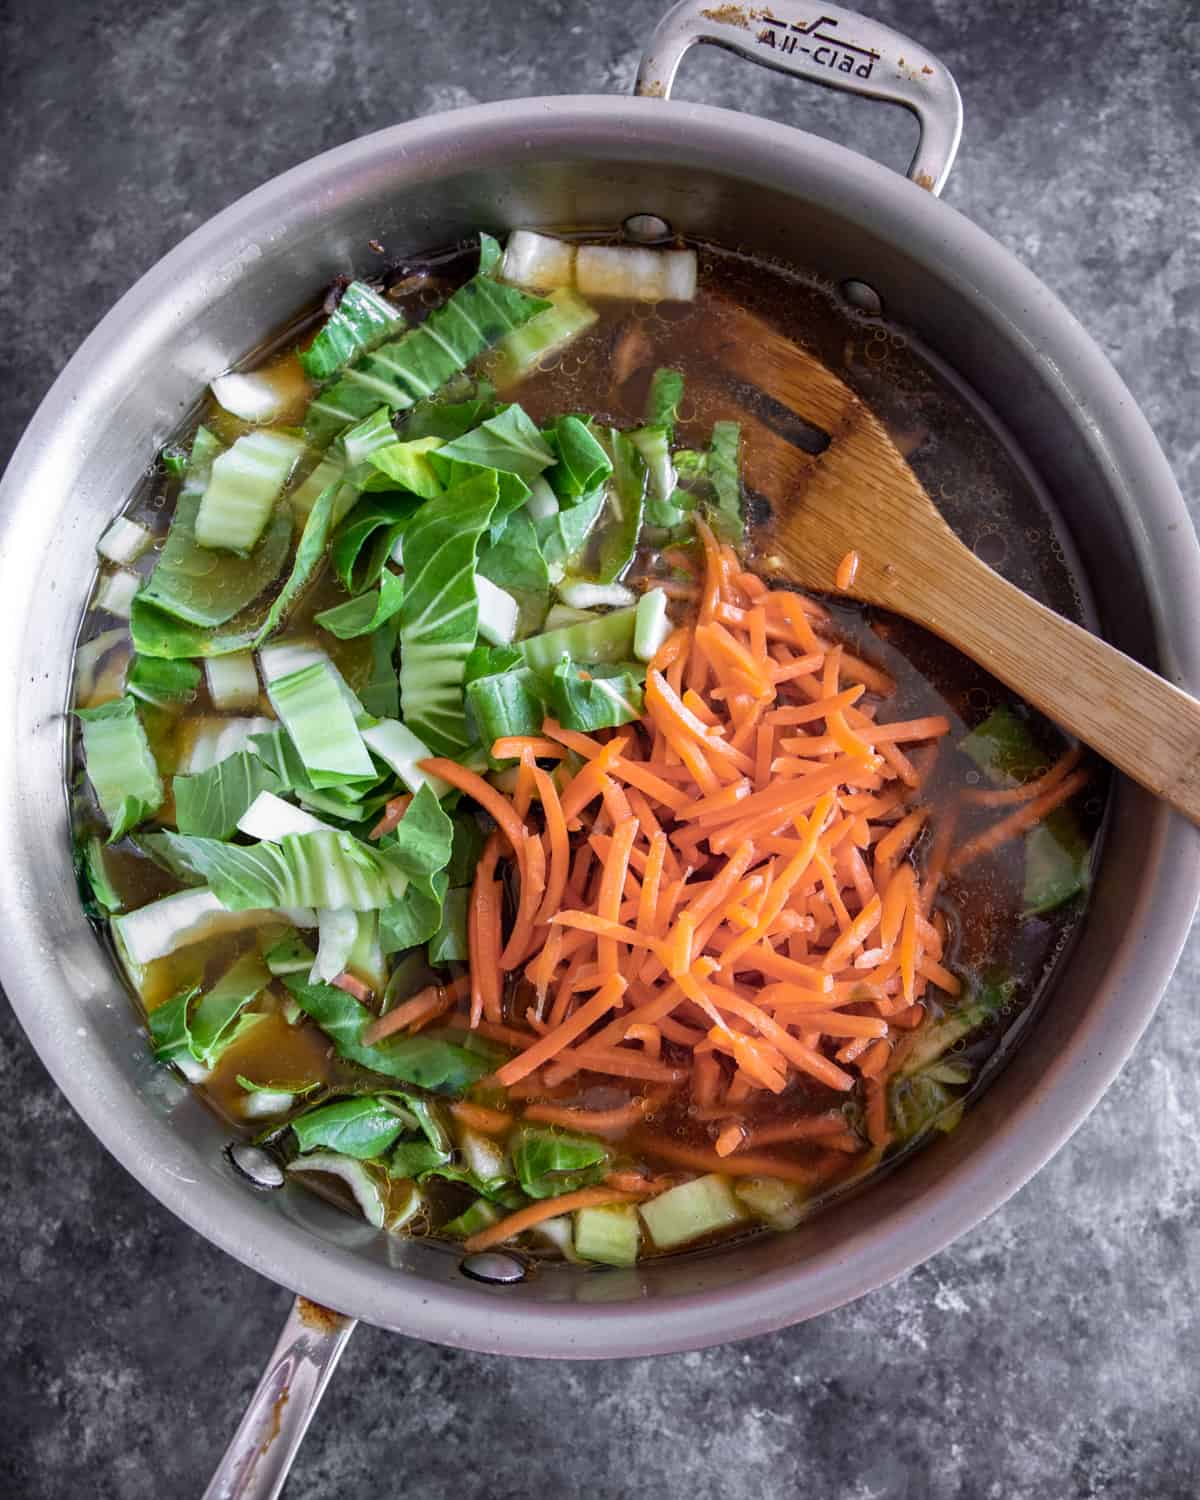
point(739, 146)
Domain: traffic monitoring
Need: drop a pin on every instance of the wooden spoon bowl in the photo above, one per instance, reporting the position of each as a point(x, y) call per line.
point(855, 493)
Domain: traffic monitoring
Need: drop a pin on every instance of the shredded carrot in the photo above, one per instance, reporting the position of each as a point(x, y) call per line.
point(1018, 822)
point(482, 1117)
point(632, 1181)
point(524, 789)
point(646, 781)
point(873, 678)
point(895, 901)
point(353, 986)
point(932, 727)
point(594, 1121)
point(533, 885)
point(854, 936)
point(943, 978)
point(872, 1061)
point(620, 1062)
point(893, 845)
point(611, 885)
point(651, 1037)
point(432, 1001)
point(548, 1208)
point(648, 897)
point(740, 1164)
point(563, 1035)
point(908, 947)
point(590, 782)
point(393, 812)
point(730, 901)
point(1029, 789)
point(483, 936)
point(509, 1036)
point(805, 1128)
point(511, 747)
point(939, 853)
point(560, 850)
point(493, 802)
point(847, 571)
point(605, 927)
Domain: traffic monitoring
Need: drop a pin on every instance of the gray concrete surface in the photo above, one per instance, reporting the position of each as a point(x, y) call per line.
point(1052, 1353)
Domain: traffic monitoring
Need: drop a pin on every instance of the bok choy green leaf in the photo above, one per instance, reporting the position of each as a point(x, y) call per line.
point(381, 692)
point(447, 420)
point(549, 1162)
point(626, 500)
point(429, 1062)
point(424, 838)
point(506, 703)
point(596, 697)
point(367, 612)
point(96, 890)
point(189, 582)
point(725, 475)
point(510, 442)
point(120, 765)
point(165, 684)
point(316, 715)
point(331, 506)
point(1057, 862)
point(419, 363)
point(211, 802)
point(406, 466)
point(310, 869)
point(197, 1037)
point(449, 943)
point(361, 320)
point(581, 463)
point(513, 561)
point(605, 638)
point(322, 869)
point(290, 955)
point(560, 320)
point(365, 1126)
point(561, 537)
point(664, 401)
point(155, 632)
point(415, 917)
point(440, 614)
point(365, 541)
point(213, 1027)
point(244, 484)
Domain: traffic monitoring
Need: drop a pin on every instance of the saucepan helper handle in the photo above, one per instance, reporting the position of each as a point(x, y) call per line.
point(827, 45)
point(260, 1454)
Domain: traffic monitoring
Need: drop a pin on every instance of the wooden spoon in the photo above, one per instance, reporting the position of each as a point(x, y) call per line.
point(860, 495)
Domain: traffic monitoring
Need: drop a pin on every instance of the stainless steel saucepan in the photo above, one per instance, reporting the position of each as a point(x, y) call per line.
point(726, 177)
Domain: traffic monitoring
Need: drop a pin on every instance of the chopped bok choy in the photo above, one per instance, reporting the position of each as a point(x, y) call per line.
point(244, 483)
point(537, 261)
point(120, 765)
point(124, 541)
point(232, 680)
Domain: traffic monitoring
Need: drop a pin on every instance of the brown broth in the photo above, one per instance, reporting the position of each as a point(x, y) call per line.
point(984, 489)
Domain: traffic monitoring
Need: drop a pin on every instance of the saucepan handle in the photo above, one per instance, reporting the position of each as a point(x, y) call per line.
point(824, 44)
point(260, 1454)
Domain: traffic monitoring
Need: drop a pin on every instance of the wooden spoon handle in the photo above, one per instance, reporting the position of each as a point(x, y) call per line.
point(1134, 718)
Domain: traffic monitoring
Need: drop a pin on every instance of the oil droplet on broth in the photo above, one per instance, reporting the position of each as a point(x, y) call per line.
point(991, 547)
